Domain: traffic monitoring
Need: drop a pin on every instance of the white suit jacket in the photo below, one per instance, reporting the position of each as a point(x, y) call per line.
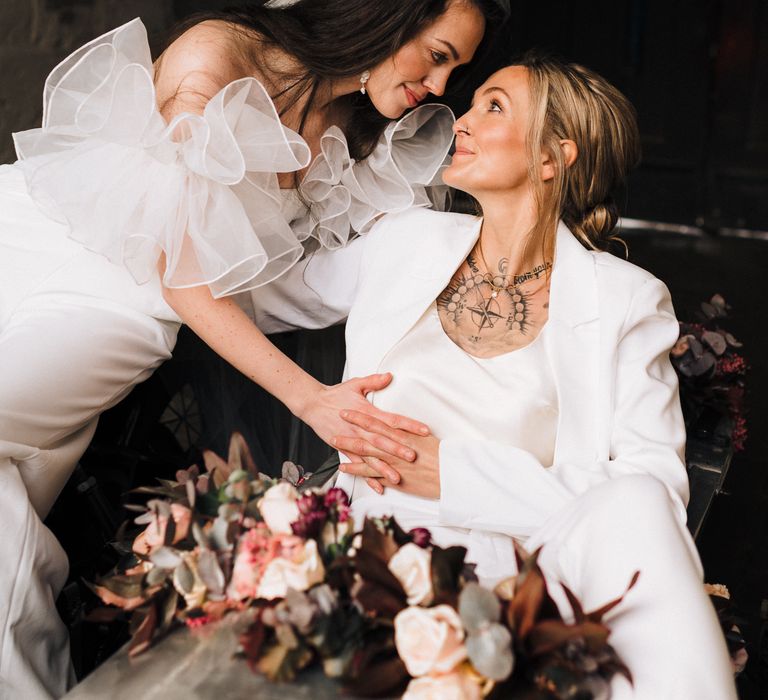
point(611, 326)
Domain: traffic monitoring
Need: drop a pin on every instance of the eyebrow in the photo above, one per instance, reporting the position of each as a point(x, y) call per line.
point(451, 48)
point(493, 88)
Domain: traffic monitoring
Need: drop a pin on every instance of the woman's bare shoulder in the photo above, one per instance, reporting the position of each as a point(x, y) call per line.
point(199, 63)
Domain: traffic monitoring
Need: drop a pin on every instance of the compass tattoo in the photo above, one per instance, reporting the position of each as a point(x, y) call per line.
point(487, 305)
point(489, 301)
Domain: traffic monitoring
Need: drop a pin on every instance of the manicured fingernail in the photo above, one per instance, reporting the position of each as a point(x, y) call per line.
point(424, 431)
point(342, 468)
point(333, 441)
point(344, 414)
point(409, 454)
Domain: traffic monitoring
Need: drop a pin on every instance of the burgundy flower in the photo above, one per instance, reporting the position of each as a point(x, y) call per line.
point(310, 525)
point(336, 498)
point(310, 503)
point(735, 364)
point(420, 536)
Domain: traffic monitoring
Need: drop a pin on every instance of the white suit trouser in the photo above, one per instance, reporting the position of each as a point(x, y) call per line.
point(665, 630)
point(65, 356)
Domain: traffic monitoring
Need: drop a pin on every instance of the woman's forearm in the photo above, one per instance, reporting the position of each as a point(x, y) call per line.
point(225, 327)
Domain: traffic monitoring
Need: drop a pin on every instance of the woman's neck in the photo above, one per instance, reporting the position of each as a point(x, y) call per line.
point(508, 221)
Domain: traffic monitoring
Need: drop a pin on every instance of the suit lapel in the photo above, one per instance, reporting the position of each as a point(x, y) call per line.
point(573, 348)
point(571, 341)
point(433, 258)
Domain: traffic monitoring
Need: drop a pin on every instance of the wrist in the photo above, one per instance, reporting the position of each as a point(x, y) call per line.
point(303, 397)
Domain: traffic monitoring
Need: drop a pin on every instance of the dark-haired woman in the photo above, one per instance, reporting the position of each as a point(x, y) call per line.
point(153, 193)
point(541, 365)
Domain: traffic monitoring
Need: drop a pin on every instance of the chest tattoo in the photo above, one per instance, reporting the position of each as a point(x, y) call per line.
point(493, 307)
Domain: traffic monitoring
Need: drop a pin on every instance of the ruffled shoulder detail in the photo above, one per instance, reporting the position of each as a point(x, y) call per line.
point(202, 190)
point(404, 170)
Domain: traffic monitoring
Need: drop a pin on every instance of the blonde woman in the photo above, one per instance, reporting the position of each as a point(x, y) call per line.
point(540, 364)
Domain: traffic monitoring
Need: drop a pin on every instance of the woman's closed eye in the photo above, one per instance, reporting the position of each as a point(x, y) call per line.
point(438, 57)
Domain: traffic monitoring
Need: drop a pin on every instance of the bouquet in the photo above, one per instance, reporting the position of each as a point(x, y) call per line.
point(711, 373)
point(383, 610)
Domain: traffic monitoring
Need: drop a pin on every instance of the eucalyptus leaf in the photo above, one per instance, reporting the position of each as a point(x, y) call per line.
point(490, 652)
point(184, 578)
point(210, 572)
point(291, 472)
point(220, 534)
point(156, 576)
point(478, 607)
point(191, 493)
point(715, 340)
point(718, 302)
point(203, 484)
point(145, 518)
point(696, 347)
point(199, 535)
point(165, 558)
point(733, 342)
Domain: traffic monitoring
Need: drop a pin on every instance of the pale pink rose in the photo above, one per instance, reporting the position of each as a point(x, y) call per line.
point(411, 565)
point(279, 509)
point(299, 567)
point(458, 685)
point(154, 536)
point(254, 552)
point(429, 640)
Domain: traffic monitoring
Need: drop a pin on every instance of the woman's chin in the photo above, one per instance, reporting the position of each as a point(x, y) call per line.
point(454, 179)
point(388, 109)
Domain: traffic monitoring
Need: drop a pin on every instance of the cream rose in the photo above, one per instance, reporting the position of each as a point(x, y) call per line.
point(458, 685)
point(429, 640)
point(154, 536)
point(279, 509)
point(412, 566)
point(301, 569)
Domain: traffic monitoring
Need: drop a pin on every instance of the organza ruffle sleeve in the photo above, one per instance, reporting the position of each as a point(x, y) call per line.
point(201, 190)
point(403, 170)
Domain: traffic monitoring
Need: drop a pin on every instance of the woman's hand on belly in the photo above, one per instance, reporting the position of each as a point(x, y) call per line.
point(322, 412)
point(419, 477)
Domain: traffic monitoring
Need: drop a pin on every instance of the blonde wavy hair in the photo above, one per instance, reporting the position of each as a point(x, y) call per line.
point(569, 101)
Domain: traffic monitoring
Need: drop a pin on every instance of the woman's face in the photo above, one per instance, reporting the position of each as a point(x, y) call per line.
point(422, 66)
point(491, 152)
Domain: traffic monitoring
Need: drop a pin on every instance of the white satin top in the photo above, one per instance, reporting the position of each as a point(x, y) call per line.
point(510, 398)
point(203, 189)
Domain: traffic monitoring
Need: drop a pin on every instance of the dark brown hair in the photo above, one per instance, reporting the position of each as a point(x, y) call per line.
point(334, 39)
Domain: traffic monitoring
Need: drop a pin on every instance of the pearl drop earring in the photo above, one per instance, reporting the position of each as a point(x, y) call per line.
point(363, 80)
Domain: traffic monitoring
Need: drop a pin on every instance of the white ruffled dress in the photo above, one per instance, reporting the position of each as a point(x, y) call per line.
point(108, 172)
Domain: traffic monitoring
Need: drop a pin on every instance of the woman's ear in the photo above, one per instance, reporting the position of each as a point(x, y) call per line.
point(570, 152)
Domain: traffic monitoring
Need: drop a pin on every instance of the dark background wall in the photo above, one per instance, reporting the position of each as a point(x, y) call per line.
point(697, 71)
